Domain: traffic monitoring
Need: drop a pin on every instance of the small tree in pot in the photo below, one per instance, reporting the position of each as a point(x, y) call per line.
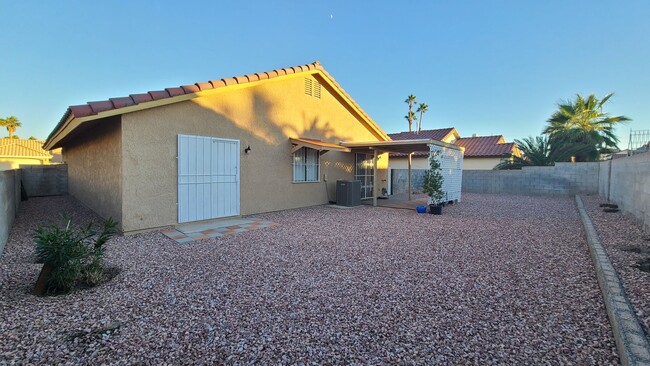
point(433, 184)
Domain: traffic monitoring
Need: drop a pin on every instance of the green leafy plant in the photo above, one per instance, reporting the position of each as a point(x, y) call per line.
point(433, 179)
point(582, 121)
point(539, 151)
point(70, 256)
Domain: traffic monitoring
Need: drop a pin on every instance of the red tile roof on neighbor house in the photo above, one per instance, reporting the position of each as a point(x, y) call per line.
point(19, 148)
point(486, 146)
point(475, 147)
point(438, 135)
point(94, 108)
point(441, 134)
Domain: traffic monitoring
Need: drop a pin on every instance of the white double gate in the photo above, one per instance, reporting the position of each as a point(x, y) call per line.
point(208, 178)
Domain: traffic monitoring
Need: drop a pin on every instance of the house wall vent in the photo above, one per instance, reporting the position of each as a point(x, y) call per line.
point(312, 88)
point(317, 90)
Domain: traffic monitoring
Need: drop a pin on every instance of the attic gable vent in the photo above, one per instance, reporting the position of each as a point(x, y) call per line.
point(312, 88)
point(317, 90)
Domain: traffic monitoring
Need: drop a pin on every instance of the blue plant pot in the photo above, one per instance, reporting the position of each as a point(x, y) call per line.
point(421, 209)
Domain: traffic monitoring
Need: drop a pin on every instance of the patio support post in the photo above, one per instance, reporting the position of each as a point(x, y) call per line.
point(374, 178)
point(409, 175)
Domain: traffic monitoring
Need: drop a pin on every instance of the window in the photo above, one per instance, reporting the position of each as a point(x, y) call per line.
point(306, 165)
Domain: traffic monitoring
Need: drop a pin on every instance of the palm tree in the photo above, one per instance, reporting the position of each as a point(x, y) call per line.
point(410, 100)
point(583, 122)
point(539, 151)
point(411, 117)
point(11, 123)
point(422, 108)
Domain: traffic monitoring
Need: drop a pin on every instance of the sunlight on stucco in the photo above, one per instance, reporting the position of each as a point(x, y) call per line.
point(242, 111)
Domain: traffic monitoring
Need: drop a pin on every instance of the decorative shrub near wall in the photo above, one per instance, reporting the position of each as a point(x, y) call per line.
point(71, 258)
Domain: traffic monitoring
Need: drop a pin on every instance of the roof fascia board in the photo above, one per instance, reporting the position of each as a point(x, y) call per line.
point(24, 157)
point(400, 142)
point(301, 144)
point(369, 123)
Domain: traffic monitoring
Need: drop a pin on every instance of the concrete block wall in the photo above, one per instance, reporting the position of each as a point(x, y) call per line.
point(399, 180)
point(563, 178)
point(629, 185)
point(45, 180)
point(9, 202)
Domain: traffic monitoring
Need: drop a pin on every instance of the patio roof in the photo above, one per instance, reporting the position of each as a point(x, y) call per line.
point(398, 146)
point(321, 146)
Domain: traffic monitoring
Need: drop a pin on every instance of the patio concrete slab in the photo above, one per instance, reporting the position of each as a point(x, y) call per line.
point(194, 231)
point(194, 227)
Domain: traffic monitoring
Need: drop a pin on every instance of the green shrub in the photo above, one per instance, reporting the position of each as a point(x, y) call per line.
point(433, 179)
point(74, 256)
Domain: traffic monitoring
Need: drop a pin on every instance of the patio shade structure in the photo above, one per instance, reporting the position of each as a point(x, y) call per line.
point(399, 146)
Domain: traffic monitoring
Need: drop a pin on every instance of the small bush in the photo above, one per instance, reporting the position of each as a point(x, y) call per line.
point(433, 179)
point(72, 256)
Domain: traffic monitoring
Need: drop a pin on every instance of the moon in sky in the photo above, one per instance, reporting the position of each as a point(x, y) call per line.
point(331, 16)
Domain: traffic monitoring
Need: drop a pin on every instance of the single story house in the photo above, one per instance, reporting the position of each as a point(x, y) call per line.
point(226, 147)
point(481, 152)
point(486, 152)
point(17, 152)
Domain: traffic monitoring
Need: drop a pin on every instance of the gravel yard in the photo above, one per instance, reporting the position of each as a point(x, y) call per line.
point(626, 244)
point(495, 280)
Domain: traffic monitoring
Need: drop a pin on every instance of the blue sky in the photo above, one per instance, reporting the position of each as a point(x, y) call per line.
point(486, 67)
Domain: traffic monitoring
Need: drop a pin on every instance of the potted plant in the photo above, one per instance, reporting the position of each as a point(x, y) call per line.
point(432, 186)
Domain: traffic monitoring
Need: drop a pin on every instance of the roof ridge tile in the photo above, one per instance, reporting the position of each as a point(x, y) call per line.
point(189, 89)
point(175, 91)
point(204, 85)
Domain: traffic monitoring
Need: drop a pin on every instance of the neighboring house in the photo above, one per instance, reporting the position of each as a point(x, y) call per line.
point(481, 152)
point(16, 152)
point(236, 146)
point(419, 160)
point(451, 161)
point(486, 152)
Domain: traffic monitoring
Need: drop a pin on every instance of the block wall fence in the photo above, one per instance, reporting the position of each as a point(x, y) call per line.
point(37, 180)
point(9, 202)
point(624, 181)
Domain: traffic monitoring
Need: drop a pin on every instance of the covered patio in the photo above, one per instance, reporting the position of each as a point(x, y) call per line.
point(408, 147)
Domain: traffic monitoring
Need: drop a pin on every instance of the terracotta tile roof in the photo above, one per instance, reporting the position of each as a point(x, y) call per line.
point(486, 146)
point(93, 108)
point(23, 148)
point(440, 134)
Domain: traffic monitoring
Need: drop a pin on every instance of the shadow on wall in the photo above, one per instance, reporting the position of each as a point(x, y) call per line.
point(266, 126)
point(262, 119)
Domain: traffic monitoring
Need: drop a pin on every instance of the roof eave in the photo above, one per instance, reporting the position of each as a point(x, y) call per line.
point(69, 121)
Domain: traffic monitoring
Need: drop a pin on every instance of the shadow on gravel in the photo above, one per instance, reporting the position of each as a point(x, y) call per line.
point(644, 265)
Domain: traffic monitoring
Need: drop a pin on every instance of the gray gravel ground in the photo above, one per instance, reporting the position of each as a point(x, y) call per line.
point(621, 235)
point(495, 280)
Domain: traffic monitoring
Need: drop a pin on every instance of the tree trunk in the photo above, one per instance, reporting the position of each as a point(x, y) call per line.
point(41, 283)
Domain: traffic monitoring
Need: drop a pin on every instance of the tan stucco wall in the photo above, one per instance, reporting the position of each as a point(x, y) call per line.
point(480, 163)
point(402, 163)
point(262, 116)
point(95, 169)
point(14, 163)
